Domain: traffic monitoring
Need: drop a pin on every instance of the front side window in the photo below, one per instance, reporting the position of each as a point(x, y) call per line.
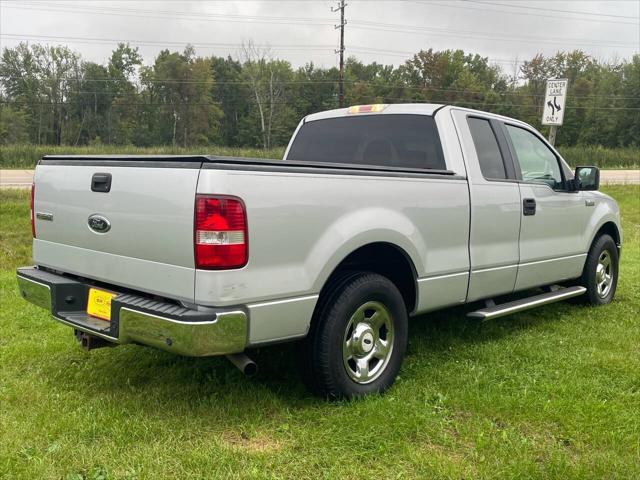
point(403, 141)
point(537, 163)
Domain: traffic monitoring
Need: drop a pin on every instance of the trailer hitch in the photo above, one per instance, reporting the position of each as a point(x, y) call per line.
point(91, 342)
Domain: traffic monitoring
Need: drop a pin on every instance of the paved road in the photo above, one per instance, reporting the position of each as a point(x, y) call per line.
point(16, 178)
point(620, 177)
point(23, 178)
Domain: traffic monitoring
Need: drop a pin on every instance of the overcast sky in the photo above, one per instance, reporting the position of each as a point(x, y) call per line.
point(300, 31)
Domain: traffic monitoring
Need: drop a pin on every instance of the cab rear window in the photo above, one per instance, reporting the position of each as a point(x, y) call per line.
point(402, 141)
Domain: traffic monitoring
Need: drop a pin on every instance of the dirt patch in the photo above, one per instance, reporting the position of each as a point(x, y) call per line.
point(253, 443)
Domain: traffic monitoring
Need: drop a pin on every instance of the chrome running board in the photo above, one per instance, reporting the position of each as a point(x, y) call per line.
point(526, 303)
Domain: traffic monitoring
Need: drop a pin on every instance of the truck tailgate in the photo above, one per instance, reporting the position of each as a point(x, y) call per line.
point(149, 208)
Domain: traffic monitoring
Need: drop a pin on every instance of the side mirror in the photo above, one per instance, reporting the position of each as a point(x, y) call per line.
point(587, 178)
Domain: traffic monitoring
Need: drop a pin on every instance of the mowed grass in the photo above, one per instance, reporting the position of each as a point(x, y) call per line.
point(550, 393)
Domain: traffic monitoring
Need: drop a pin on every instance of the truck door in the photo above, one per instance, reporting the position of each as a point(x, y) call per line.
point(495, 205)
point(552, 216)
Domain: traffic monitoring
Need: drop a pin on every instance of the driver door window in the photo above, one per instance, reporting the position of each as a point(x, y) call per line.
point(551, 231)
point(537, 163)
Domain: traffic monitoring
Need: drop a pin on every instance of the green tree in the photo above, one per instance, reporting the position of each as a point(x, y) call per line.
point(629, 116)
point(178, 94)
point(232, 94)
point(13, 125)
point(122, 116)
point(271, 110)
point(49, 95)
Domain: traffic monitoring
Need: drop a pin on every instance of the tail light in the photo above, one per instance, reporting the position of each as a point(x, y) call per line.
point(220, 232)
point(33, 218)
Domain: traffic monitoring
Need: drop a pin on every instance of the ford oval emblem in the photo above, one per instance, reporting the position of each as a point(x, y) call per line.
point(99, 224)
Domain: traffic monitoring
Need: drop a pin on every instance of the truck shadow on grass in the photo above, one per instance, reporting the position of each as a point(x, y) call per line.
point(138, 371)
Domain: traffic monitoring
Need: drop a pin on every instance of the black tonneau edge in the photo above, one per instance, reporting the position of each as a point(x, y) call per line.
point(139, 161)
point(295, 164)
point(157, 158)
point(237, 163)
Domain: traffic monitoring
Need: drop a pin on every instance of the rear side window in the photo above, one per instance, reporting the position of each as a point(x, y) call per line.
point(489, 155)
point(404, 141)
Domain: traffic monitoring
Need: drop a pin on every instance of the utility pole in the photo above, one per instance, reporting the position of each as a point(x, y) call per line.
point(341, 6)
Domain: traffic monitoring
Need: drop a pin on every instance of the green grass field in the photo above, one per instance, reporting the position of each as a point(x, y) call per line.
point(26, 156)
point(549, 393)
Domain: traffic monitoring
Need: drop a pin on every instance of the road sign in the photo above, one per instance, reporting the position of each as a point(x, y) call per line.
point(554, 100)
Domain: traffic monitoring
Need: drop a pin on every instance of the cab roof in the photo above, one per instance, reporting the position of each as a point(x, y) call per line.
point(392, 108)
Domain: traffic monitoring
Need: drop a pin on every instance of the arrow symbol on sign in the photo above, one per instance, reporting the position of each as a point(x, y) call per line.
point(555, 104)
point(552, 107)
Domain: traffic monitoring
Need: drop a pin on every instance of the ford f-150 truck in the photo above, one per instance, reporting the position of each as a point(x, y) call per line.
point(377, 213)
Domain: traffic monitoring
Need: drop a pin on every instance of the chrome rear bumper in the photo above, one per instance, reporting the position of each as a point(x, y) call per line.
point(137, 319)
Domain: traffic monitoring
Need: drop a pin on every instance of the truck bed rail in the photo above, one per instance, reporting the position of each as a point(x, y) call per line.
point(235, 163)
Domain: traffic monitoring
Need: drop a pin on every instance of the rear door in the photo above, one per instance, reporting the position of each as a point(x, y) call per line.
point(495, 206)
point(137, 233)
point(553, 217)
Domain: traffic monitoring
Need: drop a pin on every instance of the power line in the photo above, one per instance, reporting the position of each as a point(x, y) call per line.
point(545, 9)
point(511, 12)
point(404, 54)
point(165, 43)
point(166, 14)
point(306, 48)
point(289, 48)
point(391, 27)
point(377, 84)
point(316, 22)
point(159, 42)
point(420, 89)
point(208, 104)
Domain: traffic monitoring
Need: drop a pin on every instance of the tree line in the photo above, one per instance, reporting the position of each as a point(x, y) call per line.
point(49, 95)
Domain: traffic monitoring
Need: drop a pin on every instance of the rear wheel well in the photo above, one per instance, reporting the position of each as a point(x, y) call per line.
point(385, 259)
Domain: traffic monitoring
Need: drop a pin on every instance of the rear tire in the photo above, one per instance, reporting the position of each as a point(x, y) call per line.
point(358, 338)
point(600, 274)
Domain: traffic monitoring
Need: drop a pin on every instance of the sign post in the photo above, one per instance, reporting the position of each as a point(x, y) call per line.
point(553, 108)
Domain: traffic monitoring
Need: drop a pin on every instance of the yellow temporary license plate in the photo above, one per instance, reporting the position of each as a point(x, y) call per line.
point(99, 303)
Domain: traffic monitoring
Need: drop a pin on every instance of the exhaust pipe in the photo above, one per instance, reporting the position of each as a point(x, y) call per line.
point(243, 363)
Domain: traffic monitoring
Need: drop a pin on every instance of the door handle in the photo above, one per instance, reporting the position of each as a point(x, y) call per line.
point(529, 206)
point(589, 203)
point(101, 182)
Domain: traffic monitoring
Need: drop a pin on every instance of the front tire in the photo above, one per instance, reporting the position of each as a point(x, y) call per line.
point(600, 274)
point(358, 338)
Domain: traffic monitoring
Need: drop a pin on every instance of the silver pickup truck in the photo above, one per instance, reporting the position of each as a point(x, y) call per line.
point(377, 213)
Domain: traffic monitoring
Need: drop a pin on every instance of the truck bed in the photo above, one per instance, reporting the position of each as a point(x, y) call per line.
point(303, 219)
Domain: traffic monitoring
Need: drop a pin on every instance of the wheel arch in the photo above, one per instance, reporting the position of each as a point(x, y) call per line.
point(611, 229)
point(386, 259)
